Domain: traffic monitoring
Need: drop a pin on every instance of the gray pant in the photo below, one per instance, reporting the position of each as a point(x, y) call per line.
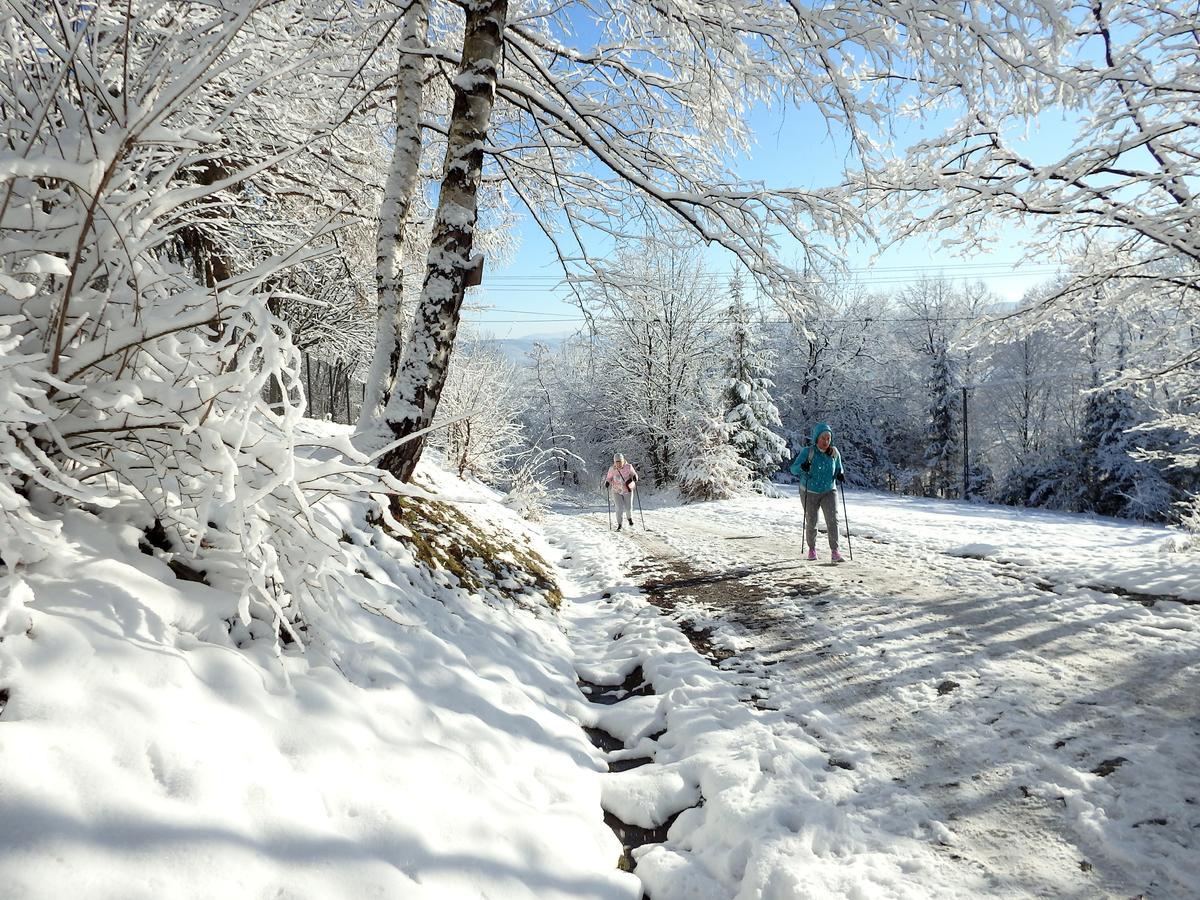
point(826, 503)
point(624, 507)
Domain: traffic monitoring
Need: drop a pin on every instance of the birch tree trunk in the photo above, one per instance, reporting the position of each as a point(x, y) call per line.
point(426, 358)
point(393, 213)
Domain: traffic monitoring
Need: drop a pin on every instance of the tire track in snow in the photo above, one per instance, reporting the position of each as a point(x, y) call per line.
point(868, 660)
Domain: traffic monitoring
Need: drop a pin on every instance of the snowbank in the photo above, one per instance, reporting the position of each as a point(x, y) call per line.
point(424, 744)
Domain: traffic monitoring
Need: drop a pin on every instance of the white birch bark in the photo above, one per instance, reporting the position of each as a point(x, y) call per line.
point(426, 357)
point(393, 212)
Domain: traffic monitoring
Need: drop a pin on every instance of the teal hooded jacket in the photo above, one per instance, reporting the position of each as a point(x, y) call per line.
point(825, 466)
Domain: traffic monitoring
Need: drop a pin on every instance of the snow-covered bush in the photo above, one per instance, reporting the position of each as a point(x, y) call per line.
point(125, 368)
point(24, 408)
point(529, 479)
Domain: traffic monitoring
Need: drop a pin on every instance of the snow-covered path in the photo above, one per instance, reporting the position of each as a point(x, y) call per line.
point(1038, 731)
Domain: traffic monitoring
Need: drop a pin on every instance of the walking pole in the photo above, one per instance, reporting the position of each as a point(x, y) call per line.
point(638, 494)
point(804, 500)
point(845, 515)
point(608, 498)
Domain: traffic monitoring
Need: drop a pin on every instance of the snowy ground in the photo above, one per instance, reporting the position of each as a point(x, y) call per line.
point(918, 723)
point(923, 722)
point(426, 745)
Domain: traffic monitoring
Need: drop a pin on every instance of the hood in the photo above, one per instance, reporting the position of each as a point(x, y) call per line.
point(819, 429)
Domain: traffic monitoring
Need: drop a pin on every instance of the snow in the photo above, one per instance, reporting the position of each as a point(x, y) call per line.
point(1061, 547)
point(430, 752)
point(975, 699)
point(430, 743)
point(770, 823)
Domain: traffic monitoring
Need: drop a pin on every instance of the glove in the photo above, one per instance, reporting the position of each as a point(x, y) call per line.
point(805, 466)
point(841, 476)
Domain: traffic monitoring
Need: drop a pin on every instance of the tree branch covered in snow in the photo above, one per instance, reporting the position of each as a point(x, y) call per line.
point(130, 368)
point(1115, 200)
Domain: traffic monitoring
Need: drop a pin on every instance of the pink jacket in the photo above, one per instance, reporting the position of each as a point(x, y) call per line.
point(621, 478)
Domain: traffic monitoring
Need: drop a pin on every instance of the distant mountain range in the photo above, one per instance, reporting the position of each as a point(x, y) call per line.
point(519, 348)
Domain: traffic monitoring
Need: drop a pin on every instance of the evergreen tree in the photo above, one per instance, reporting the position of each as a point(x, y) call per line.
point(712, 468)
point(941, 451)
point(1106, 480)
point(1115, 481)
point(750, 410)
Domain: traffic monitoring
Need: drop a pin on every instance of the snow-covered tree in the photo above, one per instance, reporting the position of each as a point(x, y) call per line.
point(620, 120)
point(1115, 200)
point(480, 412)
point(1113, 481)
point(1018, 410)
point(846, 368)
point(937, 311)
point(569, 414)
point(1107, 478)
point(424, 363)
point(1069, 433)
point(751, 413)
point(548, 415)
point(1176, 424)
point(1125, 73)
point(656, 340)
point(942, 446)
point(1020, 401)
point(400, 194)
point(710, 466)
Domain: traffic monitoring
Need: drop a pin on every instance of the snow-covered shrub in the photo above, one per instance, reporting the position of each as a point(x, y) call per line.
point(772, 489)
point(14, 616)
point(24, 535)
point(1190, 521)
point(124, 366)
point(527, 498)
point(530, 477)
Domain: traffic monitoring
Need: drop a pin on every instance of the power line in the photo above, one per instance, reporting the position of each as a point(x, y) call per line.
point(1004, 268)
point(880, 280)
point(714, 320)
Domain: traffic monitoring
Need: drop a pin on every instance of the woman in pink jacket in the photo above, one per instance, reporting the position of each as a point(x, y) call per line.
point(622, 477)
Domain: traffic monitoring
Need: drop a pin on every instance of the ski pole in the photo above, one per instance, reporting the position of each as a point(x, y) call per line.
point(846, 516)
point(638, 496)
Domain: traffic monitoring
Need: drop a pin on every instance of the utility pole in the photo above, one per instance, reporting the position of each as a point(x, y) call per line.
point(966, 491)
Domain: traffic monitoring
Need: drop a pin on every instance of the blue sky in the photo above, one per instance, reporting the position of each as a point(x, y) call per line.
point(792, 150)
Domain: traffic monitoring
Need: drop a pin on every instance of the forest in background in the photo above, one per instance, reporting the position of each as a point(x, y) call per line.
point(686, 377)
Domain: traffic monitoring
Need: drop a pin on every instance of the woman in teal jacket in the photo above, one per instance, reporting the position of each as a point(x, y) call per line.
point(818, 466)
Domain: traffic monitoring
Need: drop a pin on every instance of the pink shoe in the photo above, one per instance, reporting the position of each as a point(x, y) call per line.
point(836, 557)
point(812, 553)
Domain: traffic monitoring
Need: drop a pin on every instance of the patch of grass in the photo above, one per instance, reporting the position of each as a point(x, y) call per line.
point(442, 538)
